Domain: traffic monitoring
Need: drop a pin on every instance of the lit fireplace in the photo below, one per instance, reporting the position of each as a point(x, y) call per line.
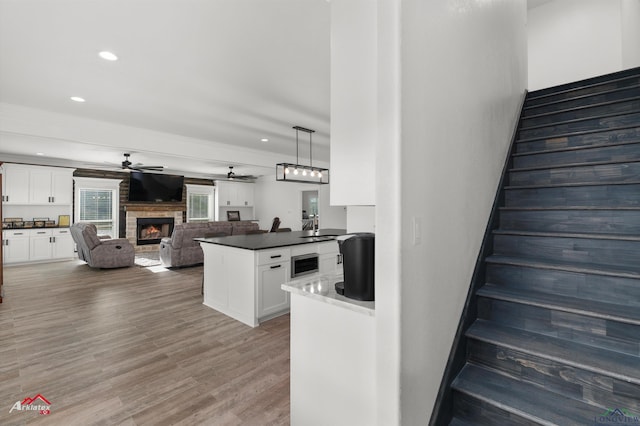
point(150, 230)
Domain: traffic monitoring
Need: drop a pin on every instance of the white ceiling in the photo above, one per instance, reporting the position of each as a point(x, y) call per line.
point(219, 71)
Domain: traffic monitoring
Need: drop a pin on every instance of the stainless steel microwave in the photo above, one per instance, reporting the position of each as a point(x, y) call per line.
point(304, 264)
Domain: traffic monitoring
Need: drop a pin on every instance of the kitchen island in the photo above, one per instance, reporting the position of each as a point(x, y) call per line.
point(243, 274)
point(332, 354)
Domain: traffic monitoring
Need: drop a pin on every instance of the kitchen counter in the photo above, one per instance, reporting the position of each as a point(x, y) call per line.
point(243, 274)
point(322, 289)
point(271, 240)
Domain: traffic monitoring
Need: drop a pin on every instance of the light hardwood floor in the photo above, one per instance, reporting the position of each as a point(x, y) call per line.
point(134, 347)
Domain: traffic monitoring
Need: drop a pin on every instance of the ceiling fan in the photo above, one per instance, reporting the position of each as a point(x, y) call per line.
point(231, 175)
point(128, 165)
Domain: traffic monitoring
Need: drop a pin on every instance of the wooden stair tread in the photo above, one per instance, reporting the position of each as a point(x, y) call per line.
point(540, 208)
point(577, 120)
point(594, 236)
point(570, 165)
point(579, 97)
point(570, 184)
point(577, 133)
point(609, 363)
point(459, 422)
point(598, 309)
point(522, 399)
point(607, 270)
point(575, 148)
point(533, 95)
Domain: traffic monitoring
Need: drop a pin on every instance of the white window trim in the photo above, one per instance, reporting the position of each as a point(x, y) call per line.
point(203, 190)
point(99, 183)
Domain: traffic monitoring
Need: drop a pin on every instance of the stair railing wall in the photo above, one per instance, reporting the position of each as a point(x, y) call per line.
point(443, 407)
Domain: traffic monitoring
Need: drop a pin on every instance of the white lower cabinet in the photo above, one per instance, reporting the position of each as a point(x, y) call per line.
point(63, 245)
point(26, 245)
point(40, 243)
point(16, 246)
point(271, 298)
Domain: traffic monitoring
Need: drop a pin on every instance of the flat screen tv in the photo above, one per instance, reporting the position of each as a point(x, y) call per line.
point(155, 187)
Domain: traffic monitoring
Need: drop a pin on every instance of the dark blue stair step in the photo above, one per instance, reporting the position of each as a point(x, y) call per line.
point(628, 151)
point(459, 422)
point(596, 123)
point(588, 99)
point(531, 404)
point(625, 313)
point(608, 363)
point(590, 85)
point(557, 377)
point(603, 172)
point(575, 196)
point(592, 250)
point(608, 137)
point(533, 100)
point(609, 221)
point(590, 330)
point(566, 266)
point(598, 134)
point(583, 113)
point(521, 276)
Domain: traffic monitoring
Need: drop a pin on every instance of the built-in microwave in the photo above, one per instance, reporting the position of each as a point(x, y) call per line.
point(304, 264)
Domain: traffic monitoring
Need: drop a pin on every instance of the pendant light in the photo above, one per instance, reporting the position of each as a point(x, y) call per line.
point(299, 172)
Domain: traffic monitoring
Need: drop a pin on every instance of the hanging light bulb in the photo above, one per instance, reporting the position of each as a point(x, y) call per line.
point(313, 173)
point(295, 171)
point(286, 170)
point(320, 175)
point(304, 172)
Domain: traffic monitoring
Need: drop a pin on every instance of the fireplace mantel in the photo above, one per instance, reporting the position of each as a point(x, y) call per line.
point(162, 207)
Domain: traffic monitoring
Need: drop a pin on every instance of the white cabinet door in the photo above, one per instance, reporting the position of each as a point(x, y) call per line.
point(271, 298)
point(40, 245)
point(224, 194)
point(15, 184)
point(62, 187)
point(329, 263)
point(16, 246)
point(63, 246)
point(244, 194)
point(40, 186)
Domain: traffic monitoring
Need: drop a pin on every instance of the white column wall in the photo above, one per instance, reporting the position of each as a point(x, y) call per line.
point(571, 40)
point(463, 77)
point(630, 12)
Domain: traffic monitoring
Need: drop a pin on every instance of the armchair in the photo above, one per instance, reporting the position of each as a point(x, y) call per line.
point(101, 253)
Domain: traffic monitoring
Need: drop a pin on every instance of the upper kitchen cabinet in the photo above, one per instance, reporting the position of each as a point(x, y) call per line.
point(51, 186)
point(234, 194)
point(37, 185)
point(353, 102)
point(15, 184)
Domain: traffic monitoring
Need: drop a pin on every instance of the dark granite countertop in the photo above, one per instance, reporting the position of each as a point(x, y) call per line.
point(274, 239)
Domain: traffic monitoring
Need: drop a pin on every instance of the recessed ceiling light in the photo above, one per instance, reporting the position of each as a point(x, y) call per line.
point(109, 56)
point(77, 99)
point(39, 153)
point(264, 140)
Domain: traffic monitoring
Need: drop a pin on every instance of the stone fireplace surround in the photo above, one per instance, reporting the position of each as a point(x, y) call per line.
point(133, 213)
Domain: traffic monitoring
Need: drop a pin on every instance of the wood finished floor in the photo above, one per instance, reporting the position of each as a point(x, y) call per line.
point(134, 347)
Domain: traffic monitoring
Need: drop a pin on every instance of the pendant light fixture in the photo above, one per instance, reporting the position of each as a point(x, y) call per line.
point(299, 172)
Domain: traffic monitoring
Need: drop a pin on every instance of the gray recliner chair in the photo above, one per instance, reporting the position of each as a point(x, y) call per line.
point(101, 253)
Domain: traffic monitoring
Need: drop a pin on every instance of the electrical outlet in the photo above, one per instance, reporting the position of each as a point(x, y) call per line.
point(417, 230)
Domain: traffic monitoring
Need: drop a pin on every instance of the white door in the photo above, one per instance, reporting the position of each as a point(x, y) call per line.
point(16, 248)
point(271, 298)
point(40, 245)
point(63, 245)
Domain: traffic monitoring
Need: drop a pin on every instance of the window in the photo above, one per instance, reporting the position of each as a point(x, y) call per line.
point(96, 201)
point(199, 203)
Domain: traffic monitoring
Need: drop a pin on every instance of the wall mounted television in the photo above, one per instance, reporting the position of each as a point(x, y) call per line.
point(155, 187)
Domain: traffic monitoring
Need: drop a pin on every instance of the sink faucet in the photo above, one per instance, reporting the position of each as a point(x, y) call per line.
point(315, 225)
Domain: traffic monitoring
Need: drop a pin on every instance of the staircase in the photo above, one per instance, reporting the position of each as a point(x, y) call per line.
point(556, 340)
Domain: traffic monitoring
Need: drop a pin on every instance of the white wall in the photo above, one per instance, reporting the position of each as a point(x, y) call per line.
point(571, 40)
point(284, 200)
point(463, 76)
point(630, 11)
point(361, 219)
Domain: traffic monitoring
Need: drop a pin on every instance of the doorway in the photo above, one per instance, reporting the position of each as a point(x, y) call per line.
point(309, 209)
